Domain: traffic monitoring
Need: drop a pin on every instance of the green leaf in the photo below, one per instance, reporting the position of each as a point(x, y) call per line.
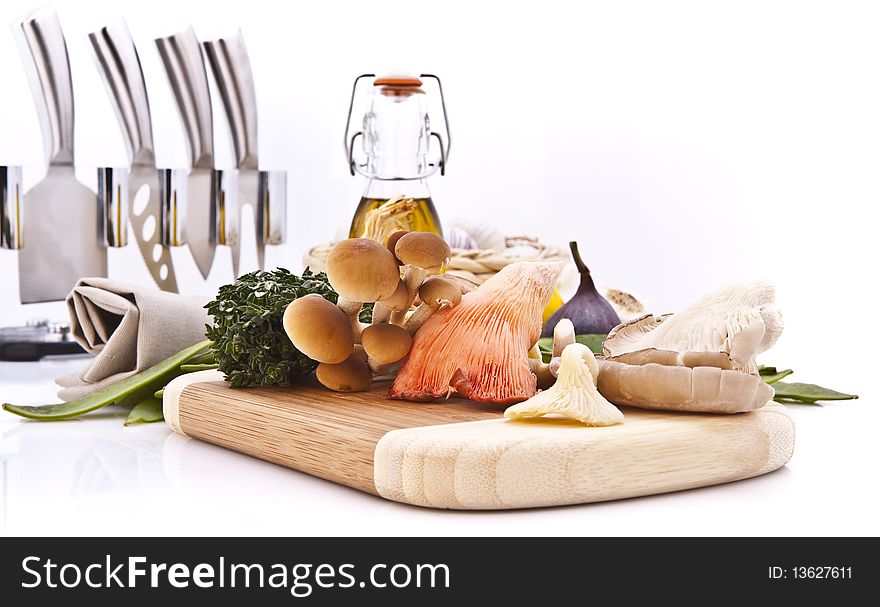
point(147, 411)
point(770, 375)
point(592, 340)
point(159, 393)
point(791, 401)
point(131, 390)
point(807, 393)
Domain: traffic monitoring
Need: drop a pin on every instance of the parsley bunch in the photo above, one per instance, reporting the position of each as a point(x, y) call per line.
point(250, 345)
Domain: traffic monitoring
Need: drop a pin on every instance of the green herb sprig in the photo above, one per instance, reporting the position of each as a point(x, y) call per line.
point(250, 346)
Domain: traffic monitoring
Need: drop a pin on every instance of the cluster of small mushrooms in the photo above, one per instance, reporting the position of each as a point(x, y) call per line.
point(399, 278)
point(483, 346)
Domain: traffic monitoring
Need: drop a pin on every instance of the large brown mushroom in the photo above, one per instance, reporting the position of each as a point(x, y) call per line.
point(318, 329)
point(361, 270)
point(351, 375)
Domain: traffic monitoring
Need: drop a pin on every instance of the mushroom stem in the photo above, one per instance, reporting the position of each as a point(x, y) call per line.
point(540, 369)
point(434, 293)
point(418, 318)
point(352, 309)
point(563, 335)
point(382, 370)
point(413, 279)
point(381, 313)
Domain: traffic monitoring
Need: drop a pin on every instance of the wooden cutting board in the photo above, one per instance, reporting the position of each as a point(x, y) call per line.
point(463, 455)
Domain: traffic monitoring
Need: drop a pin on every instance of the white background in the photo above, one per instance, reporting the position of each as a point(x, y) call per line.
point(685, 145)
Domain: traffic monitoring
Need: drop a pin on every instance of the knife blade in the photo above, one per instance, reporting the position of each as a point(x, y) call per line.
point(61, 239)
point(263, 191)
point(182, 59)
point(119, 64)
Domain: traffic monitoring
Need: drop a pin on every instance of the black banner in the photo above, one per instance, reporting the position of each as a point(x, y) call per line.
point(340, 571)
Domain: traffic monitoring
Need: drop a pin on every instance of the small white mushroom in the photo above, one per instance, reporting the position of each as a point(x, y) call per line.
point(545, 373)
point(574, 395)
point(563, 336)
point(434, 293)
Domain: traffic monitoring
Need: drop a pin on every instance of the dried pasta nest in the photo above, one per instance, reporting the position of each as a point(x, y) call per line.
point(474, 264)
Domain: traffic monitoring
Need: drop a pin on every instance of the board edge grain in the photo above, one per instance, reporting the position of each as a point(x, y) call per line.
point(464, 467)
point(174, 391)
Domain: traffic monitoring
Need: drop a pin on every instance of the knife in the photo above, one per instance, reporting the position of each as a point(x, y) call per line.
point(264, 191)
point(117, 59)
point(60, 239)
point(182, 58)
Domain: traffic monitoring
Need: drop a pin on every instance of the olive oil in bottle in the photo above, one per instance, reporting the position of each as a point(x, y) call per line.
point(411, 214)
point(395, 137)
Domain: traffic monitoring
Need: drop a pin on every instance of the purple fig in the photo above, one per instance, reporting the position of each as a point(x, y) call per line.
point(587, 309)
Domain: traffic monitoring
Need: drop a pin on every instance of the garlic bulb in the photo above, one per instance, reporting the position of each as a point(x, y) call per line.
point(458, 238)
point(485, 235)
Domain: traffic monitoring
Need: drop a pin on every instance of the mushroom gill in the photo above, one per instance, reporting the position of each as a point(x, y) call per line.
point(479, 348)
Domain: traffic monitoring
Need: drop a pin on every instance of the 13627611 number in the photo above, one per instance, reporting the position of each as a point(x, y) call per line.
point(821, 572)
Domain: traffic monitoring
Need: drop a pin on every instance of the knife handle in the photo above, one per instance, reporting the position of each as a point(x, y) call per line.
point(117, 60)
point(231, 67)
point(185, 68)
point(44, 53)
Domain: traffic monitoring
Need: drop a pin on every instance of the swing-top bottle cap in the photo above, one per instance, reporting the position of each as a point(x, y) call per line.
point(395, 79)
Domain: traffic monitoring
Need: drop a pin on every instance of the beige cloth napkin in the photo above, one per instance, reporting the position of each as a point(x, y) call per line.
point(130, 328)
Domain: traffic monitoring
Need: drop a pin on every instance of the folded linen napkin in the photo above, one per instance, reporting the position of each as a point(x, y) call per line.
point(130, 328)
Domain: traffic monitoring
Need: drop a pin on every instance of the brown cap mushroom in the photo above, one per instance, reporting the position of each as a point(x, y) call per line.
point(434, 292)
point(351, 375)
point(420, 252)
point(362, 270)
point(318, 329)
point(391, 242)
point(386, 343)
point(422, 249)
point(438, 291)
